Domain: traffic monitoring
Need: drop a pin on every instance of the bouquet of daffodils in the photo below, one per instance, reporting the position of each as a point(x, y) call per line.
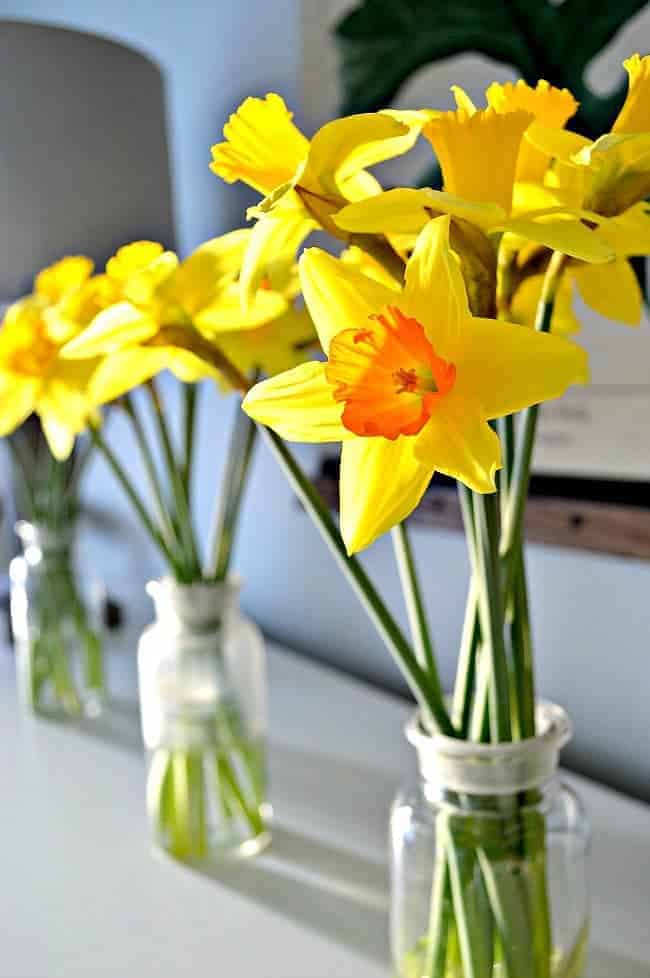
point(443, 325)
point(95, 340)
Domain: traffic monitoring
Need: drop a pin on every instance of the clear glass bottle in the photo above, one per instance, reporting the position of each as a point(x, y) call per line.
point(59, 659)
point(202, 696)
point(489, 860)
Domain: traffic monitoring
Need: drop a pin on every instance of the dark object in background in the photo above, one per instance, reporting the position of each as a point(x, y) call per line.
point(382, 45)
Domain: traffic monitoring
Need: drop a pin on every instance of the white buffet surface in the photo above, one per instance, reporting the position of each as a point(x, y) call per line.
point(83, 896)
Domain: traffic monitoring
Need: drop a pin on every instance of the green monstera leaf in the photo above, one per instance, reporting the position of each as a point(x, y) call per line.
point(382, 44)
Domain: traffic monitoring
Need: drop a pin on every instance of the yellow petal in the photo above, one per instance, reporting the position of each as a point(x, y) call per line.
point(556, 143)
point(132, 258)
point(263, 147)
point(406, 211)
point(434, 291)
point(273, 245)
point(17, 398)
point(142, 285)
point(226, 313)
point(125, 370)
point(460, 444)
point(59, 438)
point(187, 367)
point(118, 326)
point(275, 347)
point(612, 290)
point(65, 275)
point(478, 153)
point(550, 106)
point(628, 233)
point(403, 210)
point(343, 147)
point(462, 99)
point(635, 114)
point(358, 258)
point(506, 367)
point(382, 481)
point(337, 295)
point(561, 233)
point(299, 405)
point(229, 249)
point(523, 309)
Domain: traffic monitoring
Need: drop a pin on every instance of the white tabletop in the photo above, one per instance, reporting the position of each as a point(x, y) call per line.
point(82, 896)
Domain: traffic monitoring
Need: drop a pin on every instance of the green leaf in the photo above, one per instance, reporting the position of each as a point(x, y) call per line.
point(381, 45)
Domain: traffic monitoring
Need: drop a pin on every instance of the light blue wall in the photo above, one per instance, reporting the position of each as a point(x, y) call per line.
point(591, 614)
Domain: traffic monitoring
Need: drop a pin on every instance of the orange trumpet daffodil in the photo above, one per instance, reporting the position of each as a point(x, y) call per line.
point(410, 382)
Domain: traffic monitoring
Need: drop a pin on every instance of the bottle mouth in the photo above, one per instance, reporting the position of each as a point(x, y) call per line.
point(200, 605)
point(493, 769)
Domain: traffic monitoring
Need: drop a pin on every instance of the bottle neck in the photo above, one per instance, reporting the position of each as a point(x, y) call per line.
point(199, 608)
point(458, 769)
point(42, 544)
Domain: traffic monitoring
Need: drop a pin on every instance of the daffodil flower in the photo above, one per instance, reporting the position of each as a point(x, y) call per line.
point(304, 182)
point(608, 180)
point(410, 382)
point(479, 153)
point(34, 377)
point(170, 315)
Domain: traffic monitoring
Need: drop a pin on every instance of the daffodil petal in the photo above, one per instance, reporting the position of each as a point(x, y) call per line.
point(406, 211)
point(478, 152)
point(66, 275)
point(263, 147)
point(612, 290)
point(337, 295)
point(345, 146)
point(571, 237)
point(628, 233)
point(403, 210)
point(274, 243)
point(59, 438)
point(635, 113)
point(226, 314)
point(557, 144)
point(112, 329)
point(434, 291)
point(125, 370)
point(187, 367)
point(460, 444)
point(17, 399)
point(506, 367)
point(274, 347)
point(382, 482)
point(299, 404)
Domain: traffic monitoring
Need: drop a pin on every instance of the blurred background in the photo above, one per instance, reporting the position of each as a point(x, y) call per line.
point(108, 126)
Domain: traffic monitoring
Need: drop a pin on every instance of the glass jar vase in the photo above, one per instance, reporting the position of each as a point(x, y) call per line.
point(202, 695)
point(59, 659)
point(489, 860)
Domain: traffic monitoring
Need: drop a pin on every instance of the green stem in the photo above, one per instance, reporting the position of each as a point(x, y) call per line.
point(491, 613)
point(419, 626)
point(135, 500)
point(222, 536)
point(467, 660)
point(190, 392)
point(512, 528)
point(151, 471)
point(361, 584)
point(181, 501)
point(522, 653)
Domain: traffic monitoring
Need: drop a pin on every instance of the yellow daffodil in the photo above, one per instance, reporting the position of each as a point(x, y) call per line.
point(33, 375)
point(479, 153)
point(171, 314)
point(549, 106)
point(608, 180)
point(410, 382)
point(304, 182)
